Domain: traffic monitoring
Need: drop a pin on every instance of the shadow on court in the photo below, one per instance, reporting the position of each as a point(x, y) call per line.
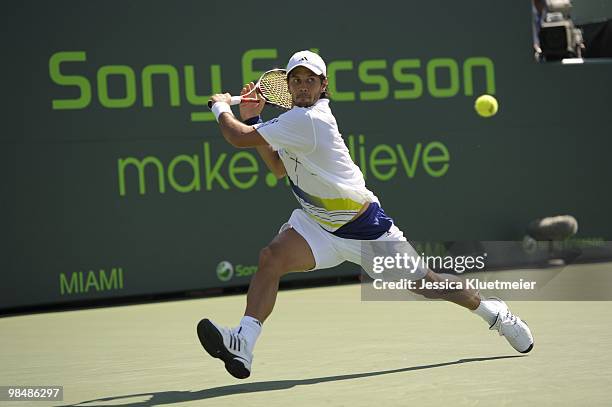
point(170, 397)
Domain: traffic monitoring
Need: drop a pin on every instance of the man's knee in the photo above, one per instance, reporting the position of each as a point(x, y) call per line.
point(271, 261)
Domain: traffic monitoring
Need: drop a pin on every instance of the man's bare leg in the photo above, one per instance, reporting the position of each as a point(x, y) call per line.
point(494, 311)
point(287, 252)
point(465, 297)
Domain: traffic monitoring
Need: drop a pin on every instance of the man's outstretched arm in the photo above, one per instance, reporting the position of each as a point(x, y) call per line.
point(233, 130)
point(250, 113)
point(240, 134)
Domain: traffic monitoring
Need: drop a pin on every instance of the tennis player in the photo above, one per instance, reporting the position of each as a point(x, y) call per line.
point(337, 212)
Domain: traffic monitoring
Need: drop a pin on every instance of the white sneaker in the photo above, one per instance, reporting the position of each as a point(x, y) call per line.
point(228, 345)
point(515, 330)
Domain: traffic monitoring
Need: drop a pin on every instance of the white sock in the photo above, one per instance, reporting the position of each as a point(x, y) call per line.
point(250, 328)
point(488, 310)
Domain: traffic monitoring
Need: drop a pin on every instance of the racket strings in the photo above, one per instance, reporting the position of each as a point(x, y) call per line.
point(273, 86)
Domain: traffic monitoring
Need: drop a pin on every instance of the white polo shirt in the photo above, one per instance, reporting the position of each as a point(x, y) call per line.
point(325, 180)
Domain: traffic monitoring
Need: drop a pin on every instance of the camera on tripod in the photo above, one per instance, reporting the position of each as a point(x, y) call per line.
point(559, 37)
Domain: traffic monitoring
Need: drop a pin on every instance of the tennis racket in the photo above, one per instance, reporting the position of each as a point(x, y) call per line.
point(272, 86)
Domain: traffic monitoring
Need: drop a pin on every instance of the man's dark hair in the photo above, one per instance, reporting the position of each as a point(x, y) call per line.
point(325, 93)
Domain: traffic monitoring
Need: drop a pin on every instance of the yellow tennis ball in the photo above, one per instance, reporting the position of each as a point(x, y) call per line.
point(486, 105)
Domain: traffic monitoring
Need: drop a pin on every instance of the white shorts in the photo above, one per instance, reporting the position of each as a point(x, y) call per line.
point(330, 250)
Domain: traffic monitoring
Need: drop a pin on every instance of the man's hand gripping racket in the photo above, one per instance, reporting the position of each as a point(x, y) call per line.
point(272, 87)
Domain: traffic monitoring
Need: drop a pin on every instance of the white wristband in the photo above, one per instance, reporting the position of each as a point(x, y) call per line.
point(220, 107)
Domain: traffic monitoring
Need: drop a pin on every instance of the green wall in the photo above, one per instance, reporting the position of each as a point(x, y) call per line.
point(94, 89)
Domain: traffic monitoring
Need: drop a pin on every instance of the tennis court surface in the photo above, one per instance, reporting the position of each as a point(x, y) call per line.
point(321, 346)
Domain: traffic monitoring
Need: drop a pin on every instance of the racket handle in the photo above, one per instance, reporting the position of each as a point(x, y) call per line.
point(235, 101)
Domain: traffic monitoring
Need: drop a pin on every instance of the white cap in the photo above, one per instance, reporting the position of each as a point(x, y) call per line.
point(309, 60)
